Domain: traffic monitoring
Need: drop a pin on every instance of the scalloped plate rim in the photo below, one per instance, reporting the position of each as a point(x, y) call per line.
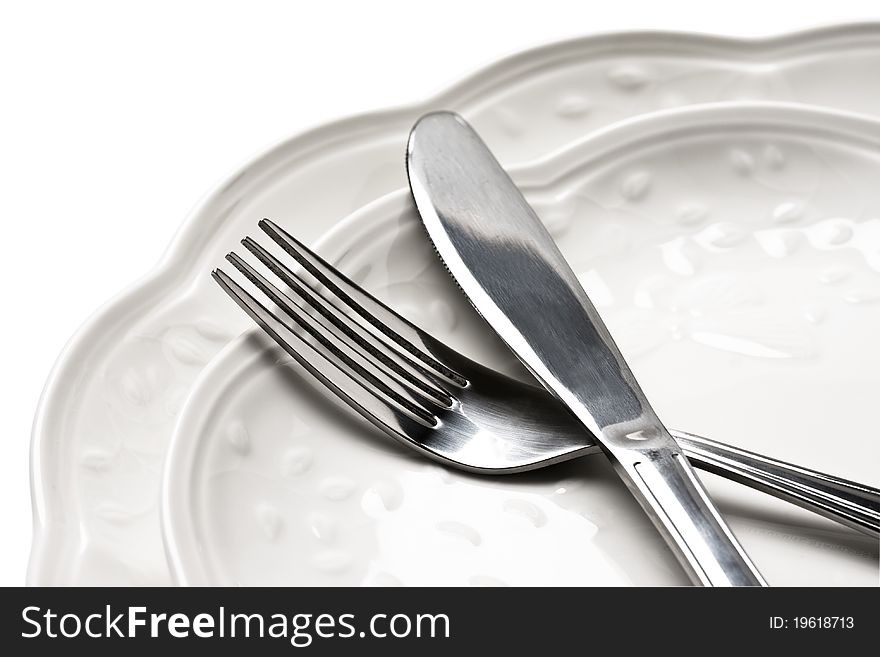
point(46, 526)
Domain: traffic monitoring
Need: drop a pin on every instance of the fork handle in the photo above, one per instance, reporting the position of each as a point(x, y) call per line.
point(849, 503)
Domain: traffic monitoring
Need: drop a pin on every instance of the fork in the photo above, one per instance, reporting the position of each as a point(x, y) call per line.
point(452, 409)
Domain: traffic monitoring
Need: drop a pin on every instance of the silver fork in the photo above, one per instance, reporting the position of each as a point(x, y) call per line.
point(437, 401)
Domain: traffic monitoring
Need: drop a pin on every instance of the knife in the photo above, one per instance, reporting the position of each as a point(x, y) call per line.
point(512, 272)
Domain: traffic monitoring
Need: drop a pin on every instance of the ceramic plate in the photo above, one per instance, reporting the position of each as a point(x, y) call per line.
point(734, 253)
point(110, 404)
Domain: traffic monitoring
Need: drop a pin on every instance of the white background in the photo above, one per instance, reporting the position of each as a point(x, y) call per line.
point(115, 119)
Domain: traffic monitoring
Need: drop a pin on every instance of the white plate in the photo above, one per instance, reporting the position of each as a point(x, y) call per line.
point(734, 253)
point(110, 404)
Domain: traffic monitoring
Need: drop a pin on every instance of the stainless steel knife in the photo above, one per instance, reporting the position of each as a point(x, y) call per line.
point(511, 270)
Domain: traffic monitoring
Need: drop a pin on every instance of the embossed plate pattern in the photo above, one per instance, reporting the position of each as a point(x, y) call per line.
point(110, 404)
point(734, 252)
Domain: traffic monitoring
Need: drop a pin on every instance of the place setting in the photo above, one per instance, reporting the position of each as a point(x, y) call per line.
point(602, 314)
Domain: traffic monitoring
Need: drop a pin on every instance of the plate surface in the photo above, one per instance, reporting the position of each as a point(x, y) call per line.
point(109, 406)
point(733, 251)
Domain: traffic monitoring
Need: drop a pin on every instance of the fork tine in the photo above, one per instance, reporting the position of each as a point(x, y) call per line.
point(316, 343)
point(401, 333)
point(345, 324)
point(358, 396)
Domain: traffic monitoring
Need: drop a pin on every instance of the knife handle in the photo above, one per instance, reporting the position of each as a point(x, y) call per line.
point(665, 484)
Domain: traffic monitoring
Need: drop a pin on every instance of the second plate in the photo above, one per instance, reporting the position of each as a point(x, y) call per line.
point(733, 251)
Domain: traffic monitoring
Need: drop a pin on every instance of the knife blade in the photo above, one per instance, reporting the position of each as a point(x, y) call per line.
point(512, 272)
